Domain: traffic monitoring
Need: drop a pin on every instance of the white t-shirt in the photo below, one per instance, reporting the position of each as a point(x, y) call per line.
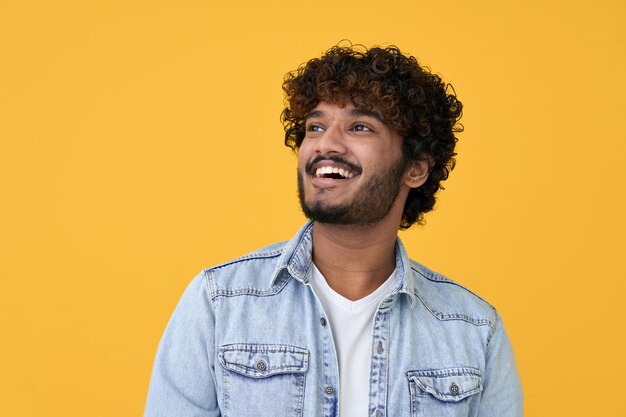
point(351, 323)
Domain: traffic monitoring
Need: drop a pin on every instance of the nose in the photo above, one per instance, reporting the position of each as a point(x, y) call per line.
point(332, 141)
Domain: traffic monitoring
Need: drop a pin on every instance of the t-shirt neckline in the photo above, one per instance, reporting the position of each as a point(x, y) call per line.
point(345, 303)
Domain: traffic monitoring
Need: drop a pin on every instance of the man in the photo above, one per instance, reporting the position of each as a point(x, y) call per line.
point(338, 320)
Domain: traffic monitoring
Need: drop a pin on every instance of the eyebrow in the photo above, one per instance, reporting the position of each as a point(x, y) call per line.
point(368, 113)
point(316, 114)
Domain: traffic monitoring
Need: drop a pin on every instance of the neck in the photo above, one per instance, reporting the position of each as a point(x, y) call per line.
point(355, 260)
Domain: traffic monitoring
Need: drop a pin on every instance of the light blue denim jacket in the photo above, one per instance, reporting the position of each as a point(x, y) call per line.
point(249, 338)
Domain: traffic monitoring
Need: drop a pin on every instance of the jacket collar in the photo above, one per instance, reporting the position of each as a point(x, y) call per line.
point(296, 260)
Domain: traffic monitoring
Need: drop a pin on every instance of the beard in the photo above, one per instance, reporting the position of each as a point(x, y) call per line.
point(370, 204)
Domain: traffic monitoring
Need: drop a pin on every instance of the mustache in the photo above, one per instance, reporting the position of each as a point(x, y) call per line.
point(339, 160)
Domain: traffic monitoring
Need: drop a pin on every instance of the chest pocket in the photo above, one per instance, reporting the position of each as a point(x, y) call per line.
point(262, 380)
point(447, 392)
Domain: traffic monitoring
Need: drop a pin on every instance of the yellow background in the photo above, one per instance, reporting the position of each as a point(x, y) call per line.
point(140, 142)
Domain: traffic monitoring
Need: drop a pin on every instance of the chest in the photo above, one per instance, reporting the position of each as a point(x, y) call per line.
point(276, 355)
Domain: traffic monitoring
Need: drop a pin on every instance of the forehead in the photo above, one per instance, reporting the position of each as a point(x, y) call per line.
point(348, 109)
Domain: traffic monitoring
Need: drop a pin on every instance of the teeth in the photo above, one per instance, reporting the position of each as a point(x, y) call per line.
point(344, 173)
point(333, 170)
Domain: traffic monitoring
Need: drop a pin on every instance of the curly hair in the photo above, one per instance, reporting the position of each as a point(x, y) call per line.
point(410, 99)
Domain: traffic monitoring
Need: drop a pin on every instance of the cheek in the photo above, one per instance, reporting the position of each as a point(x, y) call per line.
point(301, 162)
point(304, 154)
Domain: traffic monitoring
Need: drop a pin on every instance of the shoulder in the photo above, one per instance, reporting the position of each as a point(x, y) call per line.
point(449, 300)
point(250, 273)
point(266, 253)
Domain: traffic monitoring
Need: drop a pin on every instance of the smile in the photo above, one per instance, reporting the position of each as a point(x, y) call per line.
point(333, 173)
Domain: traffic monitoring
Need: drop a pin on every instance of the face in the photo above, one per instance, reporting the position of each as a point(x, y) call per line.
point(350, 166)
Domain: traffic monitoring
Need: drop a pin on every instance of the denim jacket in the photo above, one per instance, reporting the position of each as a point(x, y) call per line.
point(250, 338)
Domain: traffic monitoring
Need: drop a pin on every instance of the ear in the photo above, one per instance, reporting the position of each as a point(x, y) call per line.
point(417, 171)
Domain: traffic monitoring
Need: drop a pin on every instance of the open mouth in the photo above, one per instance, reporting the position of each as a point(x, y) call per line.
point(335, 173)
point(332, 167)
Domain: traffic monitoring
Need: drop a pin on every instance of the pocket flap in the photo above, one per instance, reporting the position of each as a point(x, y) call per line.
point(261, 361)
point(448, 384)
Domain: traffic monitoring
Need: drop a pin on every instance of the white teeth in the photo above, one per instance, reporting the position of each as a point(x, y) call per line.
point(344, 173)
point(333, 170)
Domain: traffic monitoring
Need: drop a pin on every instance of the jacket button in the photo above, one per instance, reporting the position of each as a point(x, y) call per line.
point(454, 389)
point(329, 390)
point(380, 348)
point(261, 366)
point(323, 322)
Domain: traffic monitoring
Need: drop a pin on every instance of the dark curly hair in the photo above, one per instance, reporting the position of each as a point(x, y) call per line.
point(411, 99)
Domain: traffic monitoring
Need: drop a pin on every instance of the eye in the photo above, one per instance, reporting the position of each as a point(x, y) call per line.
point(314, 128)
point(361, 127)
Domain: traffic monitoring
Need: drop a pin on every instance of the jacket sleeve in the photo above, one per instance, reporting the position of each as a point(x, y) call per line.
point(183, 376)
point(502, 389)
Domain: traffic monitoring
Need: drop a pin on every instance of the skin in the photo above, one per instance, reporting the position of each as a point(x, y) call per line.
point(355, 259)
